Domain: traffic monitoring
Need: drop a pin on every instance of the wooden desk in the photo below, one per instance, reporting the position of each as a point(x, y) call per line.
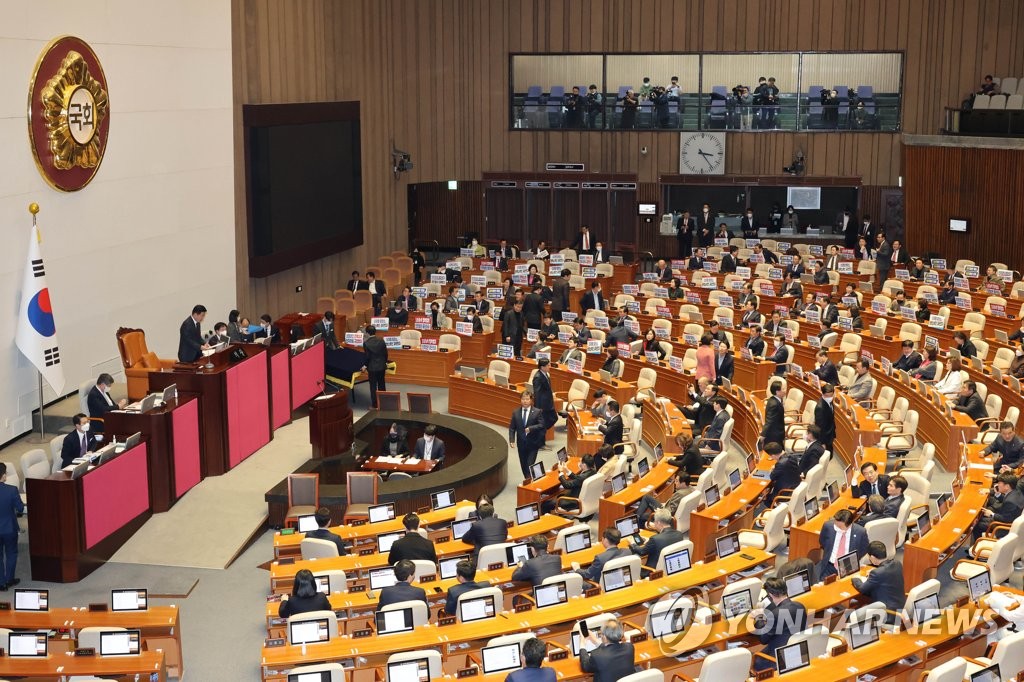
point(540, 489)
point(752, 375)
point(149, 664)
point(304, 320)
point(482, 399)
point(582, 436)
point(734, 511)
point(617, 505)
point(423, 466)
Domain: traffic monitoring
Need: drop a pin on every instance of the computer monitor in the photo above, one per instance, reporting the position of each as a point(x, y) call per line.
point(735, 479)
point(385, 540)
point(467, 372)
point(862, 634)
point(798, 583)
point(943, 503)
point(132, 440)
point(924, 523)
point(628, 525)
point(987, 674)
point(307, 523)
point(832, 491)
point(810, 508)
point(120, 643)
point(381, 512)
point(477, 608)
point(394, 621)
point(520, 551)
point(792, 657)
point(527, 513)
point(323, 583)
point(616, 579)
point(659, 452)
point(80, 470)
point(848, 564)
point(106, 453)
point(550, 594)
point(128, 600)
point(382, 577)
point(577, 540)
point(980, 585)
point(670, 621)
point(736, 604)
point(416, 670)
point(318, 676)
point(308, 631)
point(677, 562)
point(618, 482)
point(926, 608)
point(643, 467)
point(170, 393)
point(149, 402)
point(577, 643)
point(712, 495)
point(537, 470)
point(605, 375)
point(500, 658)
point(31, 600)
point(459, 528)
point(442, 499)
point(727, 545)
point(27, 644)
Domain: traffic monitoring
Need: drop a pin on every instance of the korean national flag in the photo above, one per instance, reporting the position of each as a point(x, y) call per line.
point(37, 331)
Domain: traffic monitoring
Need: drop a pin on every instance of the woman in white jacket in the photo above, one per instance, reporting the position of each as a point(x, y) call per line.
point(949, 385)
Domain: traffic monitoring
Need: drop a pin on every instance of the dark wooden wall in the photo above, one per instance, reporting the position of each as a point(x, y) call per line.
point(983, 185)
point(432, 76)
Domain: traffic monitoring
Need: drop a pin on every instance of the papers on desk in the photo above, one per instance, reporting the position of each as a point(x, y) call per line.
point(387, 459)
point(412, 461)
point(208, 352)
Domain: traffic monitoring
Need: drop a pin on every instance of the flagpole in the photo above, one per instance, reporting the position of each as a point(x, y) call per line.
point(33, 208)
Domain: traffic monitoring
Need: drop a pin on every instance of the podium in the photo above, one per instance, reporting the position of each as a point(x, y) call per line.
point(330, 425)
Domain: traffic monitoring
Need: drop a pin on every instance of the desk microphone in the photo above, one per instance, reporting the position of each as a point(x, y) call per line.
point(322, 385)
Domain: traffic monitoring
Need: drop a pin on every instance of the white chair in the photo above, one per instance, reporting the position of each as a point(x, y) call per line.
point(910, 331)
point(337, 581)
point(649, 675)
point(631, 562)
point(645, 383)
point(817, 638)
point(482, 592)
point(884, 531)
point(752, 586)
point(723, 666)
point(89, 638)
point(999, 562)
point(498, 368)
point(1008, 653)
point(577, 394)
point(590, 497)
point(337, 672)
point(36, 462)
point(903, 516)
point(573, 583)
point(422, 567)
point(671, 549)
point(950, 671)
point(492, 554)
point(57, 443)
point(688, 505)
point(411, 337)
point(453, 342)
point(516, 638)
point(774, 533)
point(313, 548)
point(329, 616)
point(433, 656)
point(559, 543)
point(983, 546)
point(925, 589)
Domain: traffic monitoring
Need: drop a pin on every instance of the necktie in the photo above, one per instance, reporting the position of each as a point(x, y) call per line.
point(874, 488)
point(85, 445)
point(525, 413)
point(842, 544)
point(894, 255)
point(586, 242)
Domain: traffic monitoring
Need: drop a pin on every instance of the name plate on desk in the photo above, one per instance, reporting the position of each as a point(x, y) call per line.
point(446, 620)
point(85, 651)
point(760, 674)
point(467, 672)
point(497, 566)
point(558, 655)
point(272, 642)
point(428, 578)
point(523, 608)
point(357, 634)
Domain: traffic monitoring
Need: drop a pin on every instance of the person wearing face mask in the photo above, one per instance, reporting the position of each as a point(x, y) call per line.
point(429, 446)
point(867, 230)
point(706, 225)
point(748, 225)
point(78, 443)
point(398, 316)
point(1017, 364)
point(99, 402)
point(220, 334)
point(791, 219)
point(825, 416)
point(325, 328)
point(395, 443)
point(268, 330)
point(600, 255)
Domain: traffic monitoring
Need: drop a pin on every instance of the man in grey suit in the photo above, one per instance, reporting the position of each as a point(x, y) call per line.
point(666, 535)
point(610, 539)
point(571, 352)
point(613, 659)
point(883, 257)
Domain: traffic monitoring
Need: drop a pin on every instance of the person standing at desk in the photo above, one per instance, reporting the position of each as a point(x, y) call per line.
point(838, 537)
point(774, 429)
point(234, 328)
point(325, 328)
point(543, 396)
point(11, 508)
point(190, 336)
point(512, 328)
point(376, 363)
point(304, 597)
point(267, 329)
point(77, 443)
point(99, 402)
point(526, 432)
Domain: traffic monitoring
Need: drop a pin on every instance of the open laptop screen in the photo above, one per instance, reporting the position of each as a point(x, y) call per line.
point(128, 600)
point(550, 594)
point(381, 512)
point(628, 525)
point(677, 562)
point(31, 600)
point(442, 499)
point(307, 631)
point(385, 540)
point(307, 523)
point(478, 608)
point(577, 541)
point(727, 545)
point(616, 579)
point(391, 622)
point(448, 565)
point(417, 670)
point(382, 577)
point(848, 564)
point(500, 658)
point(792, 657)
point(980, 585)
point(459, 528)
point(120, 643)
point(797, 584)
point(736, 604)
point(527, 513)
point(27, 644)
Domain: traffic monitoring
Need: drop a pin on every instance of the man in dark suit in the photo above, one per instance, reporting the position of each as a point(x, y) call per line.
point(725, 365)
point(662, 270)
point(584, 242)
point(482, 305)
point(526, 432)
point(613, 659)
point(356, 283)
point(826, 370)
point(728, 262)
point(779, 356)
point(325, 327)
point(77, 443)
point(774, 429)
point(970, 402)
point(594, 300)
point(685, 229)
point(11, 509)
point(376, 362)
point(821, 274)
point(465, 574)
point(407, 300)
point(706, 226)
point(534, 651)
point(600, 254)
point(846, 224)
point(751, 317)
point(868, 230)
point(897, 486)
point(825, 416)
point(791, 288)
point(377, 291)
point(840, 536)
point(560, 294)
point(778, 621)
point(402, 590)
point(873, 483)
point(190, 336)
point(785, 474)
point(1007, 449)
point(748, 224)
point(755, 343)
point(766, 254)
point(99, 401)
point(1003, 507)
point(717, 425)
point(582, 332)
point(540, 566)
point(909, 359)
point(612, 428)
point(504, 251)
point(487, 530)
point(964, 345)
point(813, 451)
point(413, 546)
point(665, 535)
point(696, 261)
point(885, 582)
point(883, 257)
point(543, 397)
point(533, 308)
point(512, 327)
point(572, 483)
point(322, 516)
point(899, 257)
point(610, 539)
point(429, 446)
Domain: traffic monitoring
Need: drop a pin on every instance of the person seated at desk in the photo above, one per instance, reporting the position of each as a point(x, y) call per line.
point(504, 251)
point(487, 530)
point(479, 250)
point(412, 546)
point(873, 483)
point(863, 385)
point(839, 536)
point(540, 566)
point(219, 335)
point(533, 278)
point(582, 331)
point(665, 535)
point(1003, 507)
point(662, 270)
point(891, 506)
point(863, 250)
point(926, 370)
point(855, 319)
point(821, 273)
point(377, 291)
point(571, 352)
point(725, 365)
point(675, 289)
point(875, 509)
point(474, 319)
point(481, 304)
point(696, 261)
point(267, 330)
point(398, 316)
point(747, 295)
point(612, 363)
point(653, 345)
point(795, 269)
point(534, 652)
point(964, 345)
point(825, 369)
point(435, 315)
point(900, 301)
point(777, 622)
point(751, 317)
point(541, 252)
point(394, 443)
point(909, 359)
point(716, 331)
point(571, 484)
point(785, 474)
point(599, 408)
point(885, 583)
point(429, 446)
point(1007, 449)
point(774, 324)
point(322, 516)
point(970, 402)
point(728, 263)
point(610, 539)
point(612, 427)
point(991, 281)
point(723, 232)
point(808, 303)
point(465, 576)
point(612, 659)
point(948, 293)
point(356, 282)
point(402, 590)
point(325, 328)
point(949, 385)
point(755, 343)
point(548, 329)
point(304, 597)
point(919, 270)
point(99, 401)
point(648, 504)
point(407, 300)
point(451, 301)
point(77, 443)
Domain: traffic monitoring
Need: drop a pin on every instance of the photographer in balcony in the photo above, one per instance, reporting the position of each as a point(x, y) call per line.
point(593, 104)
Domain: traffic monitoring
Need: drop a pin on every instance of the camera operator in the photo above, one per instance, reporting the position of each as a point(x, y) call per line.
point(593, 106)
point(574, 109)
point(659, 96)
point(630, 104)
point(830, 108)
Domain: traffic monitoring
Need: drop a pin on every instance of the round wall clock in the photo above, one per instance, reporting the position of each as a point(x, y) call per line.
point(702, 153)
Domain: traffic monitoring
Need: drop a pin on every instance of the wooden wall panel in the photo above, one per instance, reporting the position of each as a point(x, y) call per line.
point(444, 215)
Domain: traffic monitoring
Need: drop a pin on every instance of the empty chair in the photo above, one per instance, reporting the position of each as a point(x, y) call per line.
point(999, 562)
point(411, 337)
point(950, 671)
point(451, 342)
point(1008, 653)
point(590, 496)
point(981, 102)
point(303, 496)
point(313, 548)
point(1015, 102)
point(361, 491)
point(910, 331)
point(420, 615)
point(89, 638)
point(335, 670)
point(774, 533)
point(577, 394)
point(34, 464)
point(434, 669)
point(997, 102)
point(884, 531)
point(720, 666)
point(498, 368)
point(310, 616)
